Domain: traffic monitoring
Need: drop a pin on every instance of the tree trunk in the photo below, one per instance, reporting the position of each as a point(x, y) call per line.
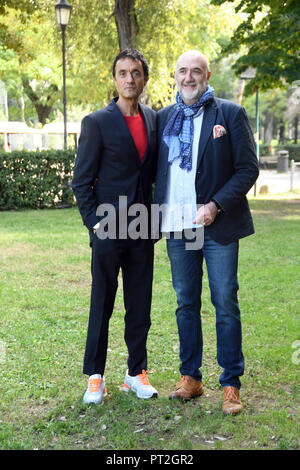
point(126, 22)
point(281, 138)
point(5, 100)
point(269, 129)
point(240, 91)
point(43, 109)
point(43, 112)
point(296, 122)
point(22, 106)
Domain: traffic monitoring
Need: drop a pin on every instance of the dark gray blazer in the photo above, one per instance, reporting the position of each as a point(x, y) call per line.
point(107, 164)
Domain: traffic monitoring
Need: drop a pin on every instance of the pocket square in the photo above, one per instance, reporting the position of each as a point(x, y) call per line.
point(219, 131)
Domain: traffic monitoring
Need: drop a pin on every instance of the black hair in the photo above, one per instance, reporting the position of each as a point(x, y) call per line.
point(134, 55)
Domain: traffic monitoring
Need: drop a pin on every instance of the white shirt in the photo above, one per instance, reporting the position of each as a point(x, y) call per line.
point(181, 202)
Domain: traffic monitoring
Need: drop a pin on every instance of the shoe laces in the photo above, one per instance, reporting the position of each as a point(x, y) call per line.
point(94, 385)
point(182, 379)
point(231, 394)
point(143, 378)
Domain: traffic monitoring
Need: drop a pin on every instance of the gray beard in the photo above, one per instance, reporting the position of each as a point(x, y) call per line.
point(193, 96)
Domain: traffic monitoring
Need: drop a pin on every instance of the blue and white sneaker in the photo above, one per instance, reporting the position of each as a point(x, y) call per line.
point(96, 390)
point(140, 385)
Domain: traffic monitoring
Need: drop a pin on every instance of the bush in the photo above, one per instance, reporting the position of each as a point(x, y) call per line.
point(265, 150)
point(36, 179)
point(293, 149)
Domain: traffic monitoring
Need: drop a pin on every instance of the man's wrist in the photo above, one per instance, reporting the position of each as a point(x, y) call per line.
point(96, 227)
point(219, 208)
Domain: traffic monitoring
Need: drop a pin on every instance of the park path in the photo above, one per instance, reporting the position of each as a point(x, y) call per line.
point(276, 182)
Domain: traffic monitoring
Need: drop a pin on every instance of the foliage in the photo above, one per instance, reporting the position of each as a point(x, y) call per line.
point(269, 36)
point(94, 39)
point(210, 27)
point(272, 108)
point(36, 179)
point(293, 149)
point(223, 79)
point(29, 64)
point(23, 6)
point(30, 54)
point(278, 110)
point(165, 29)
point(293, 110)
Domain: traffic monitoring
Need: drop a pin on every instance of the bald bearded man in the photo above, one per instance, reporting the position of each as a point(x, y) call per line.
point(206, 165)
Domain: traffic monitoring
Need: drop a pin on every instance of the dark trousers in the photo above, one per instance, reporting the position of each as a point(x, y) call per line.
point(135, 258)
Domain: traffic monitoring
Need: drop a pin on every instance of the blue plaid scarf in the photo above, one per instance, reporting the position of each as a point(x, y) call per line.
point(181, 126)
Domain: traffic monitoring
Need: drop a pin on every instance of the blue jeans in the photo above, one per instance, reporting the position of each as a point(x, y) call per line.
point(186, 266)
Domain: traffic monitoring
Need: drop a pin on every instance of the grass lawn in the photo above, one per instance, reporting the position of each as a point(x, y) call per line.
point(44, 301)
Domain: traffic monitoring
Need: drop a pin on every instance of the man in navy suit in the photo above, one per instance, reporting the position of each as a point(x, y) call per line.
point(206, 165)
point(115, 162)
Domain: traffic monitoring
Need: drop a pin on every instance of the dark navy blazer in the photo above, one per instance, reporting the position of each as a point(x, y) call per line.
point(107, 164)
point(227, 168)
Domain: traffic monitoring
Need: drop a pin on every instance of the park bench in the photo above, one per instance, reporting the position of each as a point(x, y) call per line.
point(268, 161)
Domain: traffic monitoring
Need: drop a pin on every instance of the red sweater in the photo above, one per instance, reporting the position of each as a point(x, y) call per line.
point(137, 128)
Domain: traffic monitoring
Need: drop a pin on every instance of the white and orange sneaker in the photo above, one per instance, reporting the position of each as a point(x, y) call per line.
point(140, 385)
point(96, 390)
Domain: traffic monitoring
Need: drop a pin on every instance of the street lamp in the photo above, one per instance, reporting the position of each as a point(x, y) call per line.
point(63, 12)
point(247, 75)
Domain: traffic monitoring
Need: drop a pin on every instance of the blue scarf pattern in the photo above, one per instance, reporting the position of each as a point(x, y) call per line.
point(181, 126)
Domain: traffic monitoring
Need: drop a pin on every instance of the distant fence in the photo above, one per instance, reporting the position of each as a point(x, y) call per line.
point(16, 135)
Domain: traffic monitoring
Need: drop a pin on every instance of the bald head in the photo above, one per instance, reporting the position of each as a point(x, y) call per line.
point(191, 76)
point(195, 56)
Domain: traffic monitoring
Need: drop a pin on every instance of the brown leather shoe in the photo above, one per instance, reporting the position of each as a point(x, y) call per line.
point(187, 388)
point(232, 403)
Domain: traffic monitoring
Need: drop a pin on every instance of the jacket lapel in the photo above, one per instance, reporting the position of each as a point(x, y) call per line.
point(209, 119)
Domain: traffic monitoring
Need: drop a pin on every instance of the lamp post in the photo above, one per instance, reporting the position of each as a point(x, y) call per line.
point(63, 12)
point(247, 75)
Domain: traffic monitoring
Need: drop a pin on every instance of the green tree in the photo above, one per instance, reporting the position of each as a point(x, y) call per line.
point(30, 48)
point(293, 109)
point(23, 7)
point(272, 111)
point(158, 29)
point(269, 39)
point(161, 29)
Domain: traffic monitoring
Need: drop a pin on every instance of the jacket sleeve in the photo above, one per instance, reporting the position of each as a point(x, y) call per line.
point(245, 162)
point(86, 170)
